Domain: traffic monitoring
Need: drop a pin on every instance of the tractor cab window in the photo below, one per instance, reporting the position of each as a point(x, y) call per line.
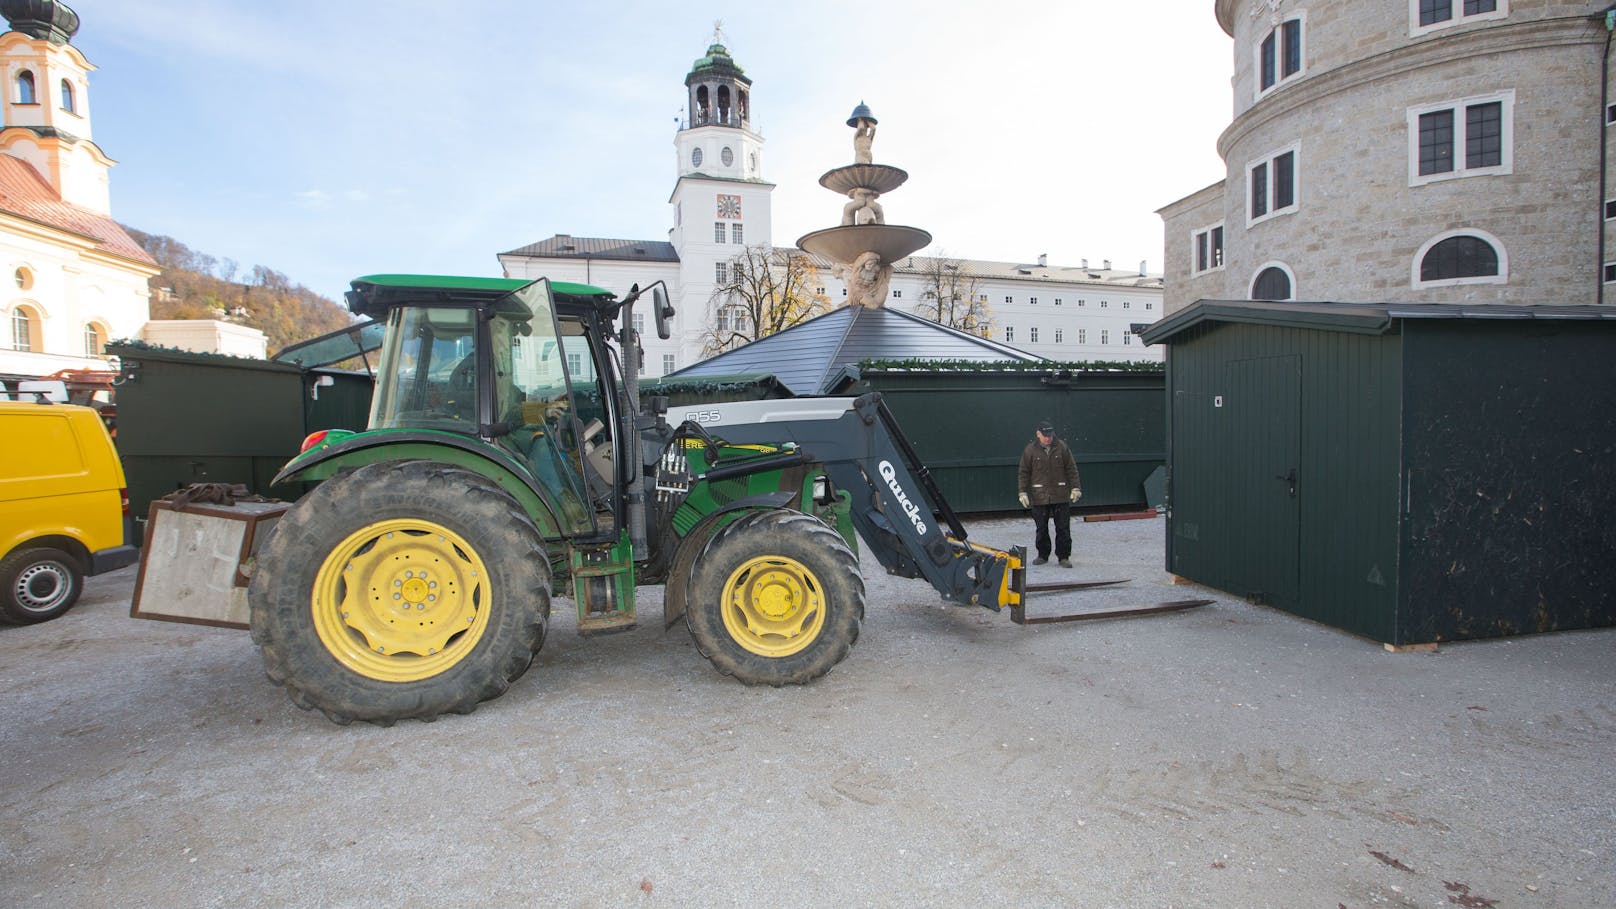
point(545, 407)
point(427, 378)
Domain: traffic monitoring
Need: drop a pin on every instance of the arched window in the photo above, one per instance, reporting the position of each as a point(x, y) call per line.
point(22, 329)
point(25, 88)
point(1459, 257)
point(1272, 284)
point(702, 105)
point(94, 342)
point(723, 104)
point(67, 97)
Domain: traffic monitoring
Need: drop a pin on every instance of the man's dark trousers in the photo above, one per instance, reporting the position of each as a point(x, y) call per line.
point(1062, 515)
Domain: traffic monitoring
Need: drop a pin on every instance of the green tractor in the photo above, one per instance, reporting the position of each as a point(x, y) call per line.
point(509, 458)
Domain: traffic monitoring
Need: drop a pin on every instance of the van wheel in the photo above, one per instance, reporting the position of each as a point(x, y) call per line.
point(37, 585)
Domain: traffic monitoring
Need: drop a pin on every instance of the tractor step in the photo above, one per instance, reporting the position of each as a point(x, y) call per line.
point(1018, 614)
point(595, 624)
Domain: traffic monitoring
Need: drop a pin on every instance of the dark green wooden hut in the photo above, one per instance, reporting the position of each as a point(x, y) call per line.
point(1410, 472)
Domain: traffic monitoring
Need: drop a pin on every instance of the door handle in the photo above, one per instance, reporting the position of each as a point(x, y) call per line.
point(1290, 478)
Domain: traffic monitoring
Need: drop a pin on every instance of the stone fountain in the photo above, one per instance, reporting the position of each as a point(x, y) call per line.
point(863, 247)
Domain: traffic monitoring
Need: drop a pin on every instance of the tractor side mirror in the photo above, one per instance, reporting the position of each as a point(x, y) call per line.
point(663, 312)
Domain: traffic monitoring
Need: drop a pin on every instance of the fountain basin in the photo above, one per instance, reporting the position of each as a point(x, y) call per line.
point(880, 177)
point(846, 243)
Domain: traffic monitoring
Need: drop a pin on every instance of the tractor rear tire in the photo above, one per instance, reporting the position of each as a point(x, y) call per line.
point(405, 589)
point(775, 599)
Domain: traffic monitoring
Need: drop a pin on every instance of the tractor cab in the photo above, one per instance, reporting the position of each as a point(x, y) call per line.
point(526, 373)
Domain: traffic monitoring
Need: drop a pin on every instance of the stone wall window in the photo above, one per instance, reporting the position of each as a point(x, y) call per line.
point(1206, 249)
point(1468, 138)
point(1279, 55)
point(25, 88)
point(1271, 186)
point(67, 97)
point(1272, 283)
point(1467, 256)
point(1429, 15)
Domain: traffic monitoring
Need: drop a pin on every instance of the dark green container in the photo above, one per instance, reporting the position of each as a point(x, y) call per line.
point(1409, 472)
point(970, 427)
point(188, 418)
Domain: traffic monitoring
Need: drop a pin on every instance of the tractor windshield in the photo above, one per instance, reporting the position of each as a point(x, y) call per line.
point(427, 378)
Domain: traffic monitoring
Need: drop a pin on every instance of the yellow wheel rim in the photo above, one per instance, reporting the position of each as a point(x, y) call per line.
point(773, 606)
point(401, 600)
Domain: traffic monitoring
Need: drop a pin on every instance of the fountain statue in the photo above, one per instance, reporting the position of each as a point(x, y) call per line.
point(864, 246)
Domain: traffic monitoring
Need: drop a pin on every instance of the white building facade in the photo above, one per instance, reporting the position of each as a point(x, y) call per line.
point(721, 205)
point(71, 278)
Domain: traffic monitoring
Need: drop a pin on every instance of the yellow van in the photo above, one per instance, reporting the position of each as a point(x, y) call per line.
point(63, 508)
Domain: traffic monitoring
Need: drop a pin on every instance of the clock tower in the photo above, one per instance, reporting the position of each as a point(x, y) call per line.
point(720, 199)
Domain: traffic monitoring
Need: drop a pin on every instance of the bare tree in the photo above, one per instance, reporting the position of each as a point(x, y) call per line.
point(764, 290)
point(950, 295)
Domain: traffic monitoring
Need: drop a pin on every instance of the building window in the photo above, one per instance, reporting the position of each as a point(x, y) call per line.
point(1610, 209)
point(1468, 138)
point(1009, 333)
point(695, 157)
point(1206, 249)
point(735, 234)
point(1058, 337)
point(1082, 336)
point(67, 96)
point(1082, 302)
point(1150, 306)
point(93, 342)
point(1033, 300)
point(1273, 282)
point(1105, 304)
point(1279, 55)
point(1428, 15)
point(1127, 304)
point(1105, 336)
point(1610, 114)
point(1271, 181)
point(721, 272)
point(982, 298)
point(1057, 301)
point(1009, 299)
point(24, 278)
point(1032, 335)
point(1127, 338)
point(25, 88)
point(639, 323)
point(1461, 257)
point(1610, 272)
point(727, 156)
point(897, 295)
point(667, 364)
point(575, 363)
point(718, 232)
point(22, 330)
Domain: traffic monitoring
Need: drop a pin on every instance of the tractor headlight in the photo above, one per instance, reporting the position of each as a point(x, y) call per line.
point(822, 493)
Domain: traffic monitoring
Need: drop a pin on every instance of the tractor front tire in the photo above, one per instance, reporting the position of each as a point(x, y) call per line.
point(405, 589)
point(775, 599)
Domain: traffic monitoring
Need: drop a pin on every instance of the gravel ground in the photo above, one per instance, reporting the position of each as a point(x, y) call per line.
point(1230, 756)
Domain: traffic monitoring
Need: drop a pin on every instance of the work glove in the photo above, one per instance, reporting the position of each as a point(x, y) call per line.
point(1076, 494)
point(1025, 502)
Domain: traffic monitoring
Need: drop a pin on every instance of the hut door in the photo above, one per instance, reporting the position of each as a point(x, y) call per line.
point(1263, 413)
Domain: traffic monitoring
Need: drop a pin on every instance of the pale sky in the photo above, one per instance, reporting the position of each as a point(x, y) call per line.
point(338, 138)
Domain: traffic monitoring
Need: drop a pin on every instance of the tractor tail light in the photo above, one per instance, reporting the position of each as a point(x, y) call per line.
point(123, 498)
point(314, 438)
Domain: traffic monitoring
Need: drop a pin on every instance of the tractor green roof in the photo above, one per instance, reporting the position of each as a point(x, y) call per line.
point(373, 293)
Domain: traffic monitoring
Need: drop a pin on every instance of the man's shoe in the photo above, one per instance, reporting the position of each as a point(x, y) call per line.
point(1066, 563)
point(1041, 560)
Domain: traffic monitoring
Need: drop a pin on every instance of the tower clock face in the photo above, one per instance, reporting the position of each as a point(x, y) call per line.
point(729, 206)
point(695, 157)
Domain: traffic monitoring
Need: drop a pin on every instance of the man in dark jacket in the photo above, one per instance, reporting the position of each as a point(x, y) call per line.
point(1047, 483)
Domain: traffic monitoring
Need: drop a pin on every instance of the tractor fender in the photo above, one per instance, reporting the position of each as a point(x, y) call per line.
point(371, 448)
point(690, 548)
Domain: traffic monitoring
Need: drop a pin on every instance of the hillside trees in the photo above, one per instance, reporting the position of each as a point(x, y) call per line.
point(195, 285)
